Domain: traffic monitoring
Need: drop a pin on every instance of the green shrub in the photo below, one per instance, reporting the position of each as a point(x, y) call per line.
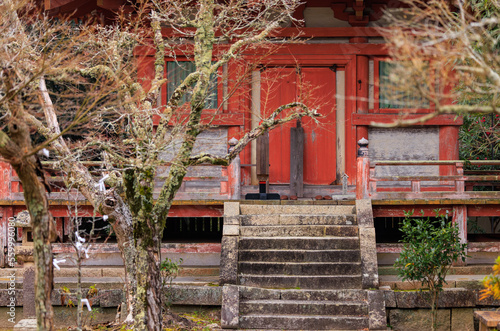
point(430, 247)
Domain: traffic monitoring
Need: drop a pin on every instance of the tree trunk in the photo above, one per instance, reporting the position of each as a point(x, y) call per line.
point(15, 150)
point(148, 295)
point(36, 201)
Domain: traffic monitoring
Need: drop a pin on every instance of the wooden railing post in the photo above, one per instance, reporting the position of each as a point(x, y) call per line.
point(460, 219)
point(362, 171)
point(234, 174)
point(5, 180)
point(459, 183)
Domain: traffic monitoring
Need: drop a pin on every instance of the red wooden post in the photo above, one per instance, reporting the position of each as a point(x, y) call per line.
point(459, 183)
point(5, 171)
point(460, 219)
point(363, 171)
point(234, 174)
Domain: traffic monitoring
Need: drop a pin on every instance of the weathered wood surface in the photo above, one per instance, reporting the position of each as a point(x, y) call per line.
point(297, 162)
point(213, 141)
point(263, 155)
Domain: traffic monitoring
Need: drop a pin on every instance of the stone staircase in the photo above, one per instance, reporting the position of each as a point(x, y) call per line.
point(298, 267)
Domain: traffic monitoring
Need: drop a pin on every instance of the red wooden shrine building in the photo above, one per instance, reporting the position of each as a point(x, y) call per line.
point(341, 66)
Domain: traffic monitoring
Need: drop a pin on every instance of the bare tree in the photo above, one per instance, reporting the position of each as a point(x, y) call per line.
point(95, 109)
point(445, 55)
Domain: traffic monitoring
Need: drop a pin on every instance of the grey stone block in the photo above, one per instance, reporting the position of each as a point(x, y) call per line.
point(376, 306)
point(296, 307)
point(302, 243)
point(418, 319)
point(462, 319)
point(364, 212)
point(196, 295)
point(29, 292)
point(368, 251)
point(111, 298)
point(390, 299)
point(231, 220)
point(231, 208)
point(230, 311)
point(231, 230)
point(229, 260)
point(282, 322)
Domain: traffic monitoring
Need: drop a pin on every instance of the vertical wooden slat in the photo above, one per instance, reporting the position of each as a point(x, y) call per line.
point(263, 157)
point(3, 237)
point(297, 161)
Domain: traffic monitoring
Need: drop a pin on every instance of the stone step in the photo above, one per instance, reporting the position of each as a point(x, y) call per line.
point(304, 219)
point(297, 268)
point(256, 255)
point(299, 243)
point(299, 231)
point(289, 307)
point(298, 322)
point(296, 209)
point(255, 293)
point(302, 282)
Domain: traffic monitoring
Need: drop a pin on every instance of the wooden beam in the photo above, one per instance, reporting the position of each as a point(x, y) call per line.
point(297, 32)
point(371, 119)
point(51, 4)
point(111, 4)
point(222, 119)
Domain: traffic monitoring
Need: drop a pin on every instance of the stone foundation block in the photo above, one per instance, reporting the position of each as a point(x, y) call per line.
point(462, 319)
point(418, 319)
point(230, 311)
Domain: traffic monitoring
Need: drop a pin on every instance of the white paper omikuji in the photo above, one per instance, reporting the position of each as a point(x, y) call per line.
point(45, 152)
point(86, 251)
point(104, 217)
point(100, 184)
point(86, 302)
point(78, 238)
point(78, 246)
point(56, 262)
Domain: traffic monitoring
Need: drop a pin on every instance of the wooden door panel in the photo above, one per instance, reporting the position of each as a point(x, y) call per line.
point(316, 88)
point(278, 88)
point(318, 91)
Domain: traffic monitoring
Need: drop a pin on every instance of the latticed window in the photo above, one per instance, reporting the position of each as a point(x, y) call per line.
point(178, 71)
point(394, 95)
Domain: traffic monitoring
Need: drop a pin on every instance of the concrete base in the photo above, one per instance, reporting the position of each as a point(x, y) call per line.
point(26, 325)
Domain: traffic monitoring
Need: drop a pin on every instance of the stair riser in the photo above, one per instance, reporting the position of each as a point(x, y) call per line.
point(320, 282)
point(304, 308)
point(292, 243)
point(255, 293)
point(247, 220)
point(299, 269)
point(348, 256)
point(299, 231)
point(303, 323)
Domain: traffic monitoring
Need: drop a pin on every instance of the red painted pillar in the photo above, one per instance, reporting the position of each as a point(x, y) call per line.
point(5, 171)
point(362, 171)
point(362, 73)
point(234, 169)
point(448, 147)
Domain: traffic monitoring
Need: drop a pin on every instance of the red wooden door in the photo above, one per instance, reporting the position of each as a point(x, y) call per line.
point(315, 86)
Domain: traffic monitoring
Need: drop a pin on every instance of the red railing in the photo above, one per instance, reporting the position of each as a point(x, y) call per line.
point(369, 184)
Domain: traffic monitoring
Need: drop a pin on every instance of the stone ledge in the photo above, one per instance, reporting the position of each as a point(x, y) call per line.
point(449, 298)
point(179, 295)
